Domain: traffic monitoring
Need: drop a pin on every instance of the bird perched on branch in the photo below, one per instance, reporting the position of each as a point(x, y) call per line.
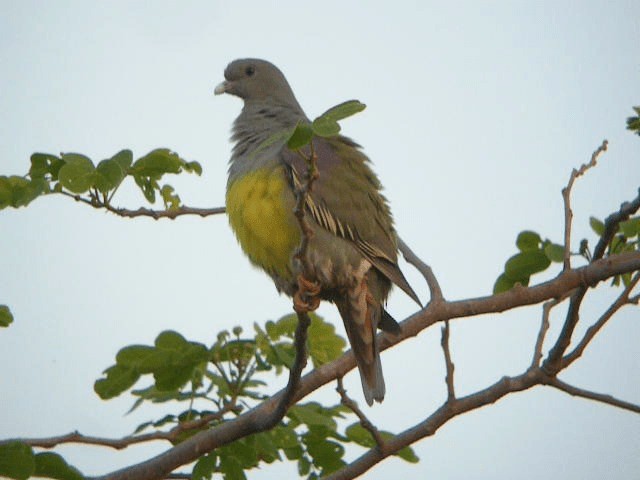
point(352, 251)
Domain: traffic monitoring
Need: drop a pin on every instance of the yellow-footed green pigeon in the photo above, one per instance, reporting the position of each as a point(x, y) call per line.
point(353, 250)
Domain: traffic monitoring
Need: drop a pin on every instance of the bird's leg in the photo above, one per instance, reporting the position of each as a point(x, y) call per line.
point(307, 297)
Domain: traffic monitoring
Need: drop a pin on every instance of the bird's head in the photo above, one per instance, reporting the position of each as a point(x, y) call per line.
point(256, 80)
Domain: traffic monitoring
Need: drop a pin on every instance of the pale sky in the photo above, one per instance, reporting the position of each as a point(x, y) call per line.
point(476, 114)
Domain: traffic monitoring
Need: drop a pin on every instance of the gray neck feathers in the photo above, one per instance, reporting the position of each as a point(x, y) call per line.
point(258, 122)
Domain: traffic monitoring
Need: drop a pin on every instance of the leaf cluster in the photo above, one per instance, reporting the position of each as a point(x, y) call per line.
point(633, 123)
point(18, 461)
point(76, 174)
point(535, 255)
point(626, 239)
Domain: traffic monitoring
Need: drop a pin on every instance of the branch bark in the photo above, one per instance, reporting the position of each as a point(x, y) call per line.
point(253, 420)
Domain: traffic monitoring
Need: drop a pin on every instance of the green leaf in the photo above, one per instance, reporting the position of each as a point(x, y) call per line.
point(358, 434)
point(52, 465)
point(633, 123)
point(169, 198)
point(110, 173)
point(631, 227)
point(43, 164)
point(597, 226)
point(522, 265)
point(325, 127)
point(78, 173)
point(324, 343)
point(300, 136)
point(158, 162)
point(503, 284)
point(18, 191)
point(343, 110)
point(408, 455)
point(194, 167)
point(204, 467)
point(528, 241)
point(312, 414)
point(118, 379)
point(6, 318)
point(231, 468)
point(554, 252)
point(16, 460)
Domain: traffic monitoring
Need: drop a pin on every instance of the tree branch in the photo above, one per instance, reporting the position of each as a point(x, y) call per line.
point(434, 287)
point(252, 421)
point(622, 300)
point(566, 196)
point(553, 361)
point(598, 397)
point(364, 421)
point(450, 367)
point(146, 212)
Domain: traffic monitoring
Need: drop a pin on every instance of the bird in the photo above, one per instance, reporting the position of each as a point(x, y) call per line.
point(353, 248)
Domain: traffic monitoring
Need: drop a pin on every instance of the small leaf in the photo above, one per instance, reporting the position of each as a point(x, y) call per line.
point(554, 252)
point(43, 164)
point(16, 460)
point(528, 241)
point(6, 318)
point(78, 173)
point(158, 162)
point(631, 227)
point(110, 173)
point(170, 199)
point(523, 265)
point(52, 465)
point(194, 167)
point(118, 380)
point(204, 467)
point(300, 136)
point(325, 127)
point(596, 225)
point(324, 343)
point(344, 110)
point(503, 284)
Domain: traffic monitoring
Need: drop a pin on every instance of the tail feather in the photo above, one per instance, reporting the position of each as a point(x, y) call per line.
point(361, 319)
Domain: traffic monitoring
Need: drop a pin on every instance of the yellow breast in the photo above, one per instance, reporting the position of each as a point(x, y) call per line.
point(260, 211)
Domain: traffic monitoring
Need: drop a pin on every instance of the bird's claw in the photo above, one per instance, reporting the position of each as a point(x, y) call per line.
point(306, 298)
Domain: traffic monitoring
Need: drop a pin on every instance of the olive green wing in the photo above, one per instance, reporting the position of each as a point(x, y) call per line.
point(346, 200)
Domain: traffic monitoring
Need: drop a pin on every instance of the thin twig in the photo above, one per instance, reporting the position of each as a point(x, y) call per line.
point(434, 287)
point(364, 421)
point(566, 195)
point(451, 393)
point(622, 300)
point(552, 363)
point(544, 327)
point(146, 212)
point(598, 397)
point(122, 443)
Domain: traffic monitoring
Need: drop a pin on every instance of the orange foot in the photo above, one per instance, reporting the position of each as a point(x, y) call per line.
point(306, 298)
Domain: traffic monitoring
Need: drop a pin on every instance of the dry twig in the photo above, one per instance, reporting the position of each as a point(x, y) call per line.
point(566, 195)
point(364, 421)
point(451, 393)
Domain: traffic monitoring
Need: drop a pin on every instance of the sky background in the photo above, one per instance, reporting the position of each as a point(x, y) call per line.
point(476, 114)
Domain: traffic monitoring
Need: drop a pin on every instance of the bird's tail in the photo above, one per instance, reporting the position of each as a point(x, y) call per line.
point(361, 317)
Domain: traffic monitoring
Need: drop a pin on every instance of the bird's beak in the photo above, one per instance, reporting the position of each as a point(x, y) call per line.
point(221, 88)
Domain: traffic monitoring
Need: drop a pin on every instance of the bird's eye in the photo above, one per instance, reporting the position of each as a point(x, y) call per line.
point(250, 71)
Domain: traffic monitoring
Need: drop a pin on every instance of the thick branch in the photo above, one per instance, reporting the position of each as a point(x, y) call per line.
point(251, 421)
